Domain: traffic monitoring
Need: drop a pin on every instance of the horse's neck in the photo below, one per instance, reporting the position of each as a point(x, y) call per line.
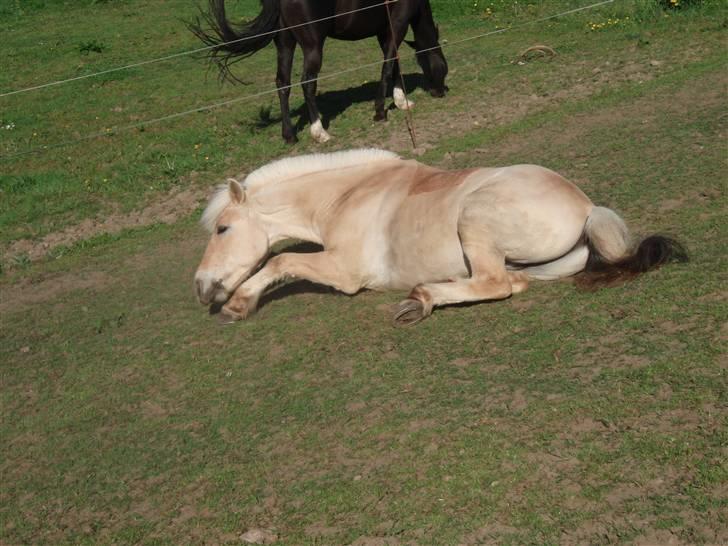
point(291, 208)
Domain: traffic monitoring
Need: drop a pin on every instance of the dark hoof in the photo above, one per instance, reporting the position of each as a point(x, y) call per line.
point(290, 139)
point(224, 318)
point(408, 312)
point(380, 116)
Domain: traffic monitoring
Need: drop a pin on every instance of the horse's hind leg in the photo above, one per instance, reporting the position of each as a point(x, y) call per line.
point(286, 46)
point(312, 57)
point(489, 280)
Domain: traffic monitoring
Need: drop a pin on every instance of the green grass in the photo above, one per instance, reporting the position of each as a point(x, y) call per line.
point(555, 417)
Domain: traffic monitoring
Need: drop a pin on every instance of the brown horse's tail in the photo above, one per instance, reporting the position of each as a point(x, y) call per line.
point(230, 43)
point(612, 259)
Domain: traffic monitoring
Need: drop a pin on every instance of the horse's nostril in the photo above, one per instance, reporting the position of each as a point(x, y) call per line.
point(203, 297)
point(217, 283)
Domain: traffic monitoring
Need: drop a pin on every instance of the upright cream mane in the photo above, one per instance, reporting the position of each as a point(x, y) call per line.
point(291, 167)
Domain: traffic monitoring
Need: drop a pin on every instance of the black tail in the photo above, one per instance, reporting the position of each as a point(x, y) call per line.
point(232, 44)
point(652, 252)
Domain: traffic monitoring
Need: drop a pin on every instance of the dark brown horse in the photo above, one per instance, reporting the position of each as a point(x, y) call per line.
point(367, 18)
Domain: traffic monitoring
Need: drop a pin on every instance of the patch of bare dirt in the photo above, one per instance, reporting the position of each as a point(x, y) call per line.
point(664, 537)
point(321, 530)
point(577, 80)
point(27, 292)
point(489, 535)
point(376, 541)
point(166, 210)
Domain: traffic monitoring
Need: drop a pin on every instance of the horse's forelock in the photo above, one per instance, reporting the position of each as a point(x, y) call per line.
point(219, 200)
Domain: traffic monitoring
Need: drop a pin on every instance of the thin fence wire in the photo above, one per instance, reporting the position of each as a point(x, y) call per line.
point(115, 130)
point(186, 53)
point(520, 25)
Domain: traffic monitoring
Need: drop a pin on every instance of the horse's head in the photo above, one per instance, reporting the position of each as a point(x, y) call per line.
point(431, 60)
point(238, 245)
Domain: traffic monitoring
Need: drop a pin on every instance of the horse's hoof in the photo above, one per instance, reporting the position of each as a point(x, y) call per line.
point(224, 318)
point(290, 139)
point(408, 312)
point(380, 116)
point(400, 100)
point(318, 132)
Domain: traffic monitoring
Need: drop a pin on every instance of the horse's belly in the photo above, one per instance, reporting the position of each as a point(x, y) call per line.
point(424, 248)
point(427, 263)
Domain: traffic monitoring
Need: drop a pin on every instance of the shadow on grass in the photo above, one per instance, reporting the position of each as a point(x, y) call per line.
point(291, 288)
point(332, 104)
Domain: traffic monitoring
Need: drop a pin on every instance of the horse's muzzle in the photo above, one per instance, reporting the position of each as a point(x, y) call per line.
point(209, 291)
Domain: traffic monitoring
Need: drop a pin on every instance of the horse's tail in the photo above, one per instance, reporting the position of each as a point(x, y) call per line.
point(228, 42)
point(612, 259)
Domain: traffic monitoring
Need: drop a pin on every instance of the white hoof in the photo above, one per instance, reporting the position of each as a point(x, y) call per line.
point(318, 132)
point(400, 101)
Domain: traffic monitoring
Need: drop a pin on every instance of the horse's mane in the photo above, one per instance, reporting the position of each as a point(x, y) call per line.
point(291, 167)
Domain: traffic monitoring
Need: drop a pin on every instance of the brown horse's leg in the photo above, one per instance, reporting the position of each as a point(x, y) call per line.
point(286, 46)
point(312, 58)
point(389, 45)
point(320, 268)
point(489, 281)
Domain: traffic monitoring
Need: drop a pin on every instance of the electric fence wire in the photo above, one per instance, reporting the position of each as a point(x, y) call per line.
point(115, 130)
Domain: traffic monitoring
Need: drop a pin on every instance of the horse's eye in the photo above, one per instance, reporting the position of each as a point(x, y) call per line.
point(221, 229)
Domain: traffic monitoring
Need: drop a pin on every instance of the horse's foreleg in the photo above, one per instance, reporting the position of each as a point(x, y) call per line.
point(390, 50)
point(400, 99)
point(312, 57)
point(390, 73)
point(286, 46)
point(489, 281)
point(320, 268)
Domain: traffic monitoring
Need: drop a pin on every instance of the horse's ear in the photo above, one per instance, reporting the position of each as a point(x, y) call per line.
point(237, 193)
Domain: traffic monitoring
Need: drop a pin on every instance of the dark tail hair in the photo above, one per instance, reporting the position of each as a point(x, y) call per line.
point(232, 44)
point(651, 253)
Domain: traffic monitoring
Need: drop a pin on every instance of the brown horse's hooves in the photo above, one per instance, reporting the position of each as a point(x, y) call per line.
point(380, 116)
point(408, 312)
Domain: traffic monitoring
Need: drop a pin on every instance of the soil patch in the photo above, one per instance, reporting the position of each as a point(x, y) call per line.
point(168, 209)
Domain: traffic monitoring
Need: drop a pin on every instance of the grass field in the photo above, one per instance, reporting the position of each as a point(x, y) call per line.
point(555, 417)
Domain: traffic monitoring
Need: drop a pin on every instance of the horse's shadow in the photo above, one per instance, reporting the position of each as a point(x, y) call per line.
point(332, 104)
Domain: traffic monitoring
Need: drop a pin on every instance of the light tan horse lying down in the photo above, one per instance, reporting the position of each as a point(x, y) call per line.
point(388, 223)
